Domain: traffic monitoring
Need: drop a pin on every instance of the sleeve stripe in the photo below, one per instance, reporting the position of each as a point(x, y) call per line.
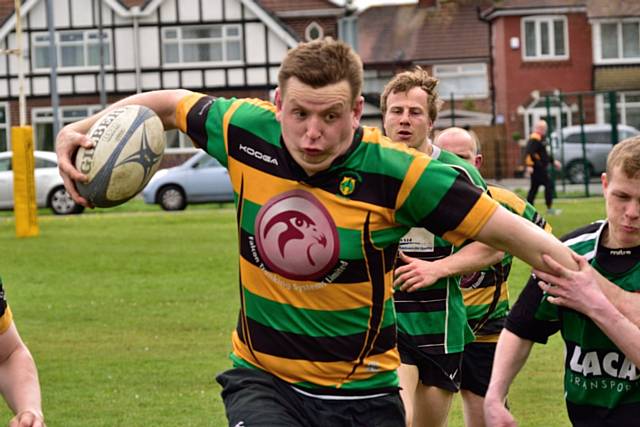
point(184, 106)
point(414, 173)
point(473, 221)
point(5, 320)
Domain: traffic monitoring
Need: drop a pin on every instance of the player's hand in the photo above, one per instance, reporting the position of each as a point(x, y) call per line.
point(27, 419)
point(416, 273)
point(557, 165)
point(67, 143)
point(496, 414)
point(577, 290)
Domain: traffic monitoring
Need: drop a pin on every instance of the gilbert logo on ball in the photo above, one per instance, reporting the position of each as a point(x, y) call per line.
point(129, 144)
point(296, 236)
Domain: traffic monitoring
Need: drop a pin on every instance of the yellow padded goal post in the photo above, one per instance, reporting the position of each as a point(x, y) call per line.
point(24, 187)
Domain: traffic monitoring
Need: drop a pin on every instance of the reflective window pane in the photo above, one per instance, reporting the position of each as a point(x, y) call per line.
point(609, 41)
point(530, 39)
point(630, 40)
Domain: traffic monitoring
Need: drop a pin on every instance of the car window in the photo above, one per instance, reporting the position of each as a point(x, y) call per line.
point(573, 138)
point(44, 163)
point(206, 162)
point(600, 137)
point(5, 165)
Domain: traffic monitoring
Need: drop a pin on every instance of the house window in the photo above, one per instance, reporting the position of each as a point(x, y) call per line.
point(313, 32)
point(627, 105)
point(4, 127)
point(462, 80)
point(619, 41)
point(42, 119)
point(74, 49)
point(545, 37)
point(202, 44)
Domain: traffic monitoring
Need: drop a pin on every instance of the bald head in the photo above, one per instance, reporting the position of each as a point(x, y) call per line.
point(540, 128)
point(461, 143)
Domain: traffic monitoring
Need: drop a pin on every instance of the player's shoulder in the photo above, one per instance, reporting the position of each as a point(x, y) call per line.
point(462, 166)
point(584, 240)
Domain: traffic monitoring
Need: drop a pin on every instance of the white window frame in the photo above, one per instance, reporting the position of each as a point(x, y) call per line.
point(621, 103)
point(313, 26)
point(549, 20)
point(539, 113)
point(597, 42)
point(440, 72)
point(180, 42)
point(86, 42)
point(44, 115)
point(4, 126)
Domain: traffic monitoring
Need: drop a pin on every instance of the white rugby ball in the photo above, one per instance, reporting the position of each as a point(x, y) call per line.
point(129, 144)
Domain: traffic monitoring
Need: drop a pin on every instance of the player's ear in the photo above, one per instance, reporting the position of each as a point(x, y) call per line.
point(478, 160)
point(278, 102)
point(358, 108)
point(604, 180)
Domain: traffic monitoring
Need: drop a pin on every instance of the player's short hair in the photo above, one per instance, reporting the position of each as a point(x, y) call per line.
point(625, 154)
point(323, 62)
point(407, 80)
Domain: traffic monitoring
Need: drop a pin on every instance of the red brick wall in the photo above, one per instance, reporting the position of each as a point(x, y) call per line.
point(515, 79)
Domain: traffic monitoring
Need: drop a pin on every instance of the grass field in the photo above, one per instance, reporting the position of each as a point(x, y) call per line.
point(128, 313)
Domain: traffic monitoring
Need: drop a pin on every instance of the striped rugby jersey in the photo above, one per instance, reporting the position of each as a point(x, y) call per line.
point(602, 386)
point(317, 252)
point(433, 320)
point(486, 293)
point(5, 311)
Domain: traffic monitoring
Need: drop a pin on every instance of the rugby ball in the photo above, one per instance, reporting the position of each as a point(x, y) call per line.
point(129, 144)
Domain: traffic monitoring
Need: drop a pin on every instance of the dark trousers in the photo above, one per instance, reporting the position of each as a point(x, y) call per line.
point(539, 178)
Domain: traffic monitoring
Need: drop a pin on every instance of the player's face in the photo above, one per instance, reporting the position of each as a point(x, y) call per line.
point(462, 146)
point(622, 196)
point(317, 123)
point(406, 119)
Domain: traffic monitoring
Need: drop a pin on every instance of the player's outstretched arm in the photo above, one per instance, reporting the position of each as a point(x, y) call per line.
point(417, 273)
point(163, 102)
point(511, 354)
point(19, 381)
point(579, 290)
point(523, 239)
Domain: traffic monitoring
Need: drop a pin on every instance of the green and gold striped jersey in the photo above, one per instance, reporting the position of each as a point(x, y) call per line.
point(317, 252)
point(433, 320)
point(486, 293)
point(5, 311)
point(602, 386)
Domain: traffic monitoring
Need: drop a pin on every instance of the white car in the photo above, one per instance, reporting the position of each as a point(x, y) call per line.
point(50, 190)
point(201, 179)
point(598, 143)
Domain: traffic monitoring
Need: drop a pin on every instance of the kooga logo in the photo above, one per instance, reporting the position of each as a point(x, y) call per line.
point(258, 155)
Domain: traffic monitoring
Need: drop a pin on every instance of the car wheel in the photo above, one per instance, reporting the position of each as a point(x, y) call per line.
point(575, 172)
point(172, 198)
point(61, 202)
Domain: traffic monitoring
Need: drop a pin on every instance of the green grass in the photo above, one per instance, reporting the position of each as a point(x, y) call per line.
point(129, 311)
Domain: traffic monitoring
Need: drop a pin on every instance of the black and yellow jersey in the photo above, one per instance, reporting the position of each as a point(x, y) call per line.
point(5, 311)
point(486, 293)
point(317, 252)
point(433, 320)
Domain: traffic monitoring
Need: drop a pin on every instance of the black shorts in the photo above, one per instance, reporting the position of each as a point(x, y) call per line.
point(254, 398)
point(477, 361)
point(438, 370)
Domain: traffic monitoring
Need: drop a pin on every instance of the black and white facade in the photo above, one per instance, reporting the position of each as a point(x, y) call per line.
point(228, 47)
